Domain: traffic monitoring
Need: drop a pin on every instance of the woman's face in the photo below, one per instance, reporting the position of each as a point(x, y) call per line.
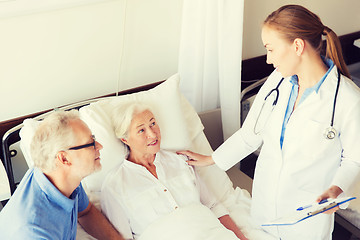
point(280, 52)
point(144, 135)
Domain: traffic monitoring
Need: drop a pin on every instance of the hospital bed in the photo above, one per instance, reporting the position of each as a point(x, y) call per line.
point(181, 129)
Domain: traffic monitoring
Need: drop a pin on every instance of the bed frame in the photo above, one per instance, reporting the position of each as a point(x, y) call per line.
point(346, 224)
point(9, 130)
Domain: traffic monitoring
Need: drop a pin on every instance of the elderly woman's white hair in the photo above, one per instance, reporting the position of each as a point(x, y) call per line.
point(123, 115)
point(54, 134)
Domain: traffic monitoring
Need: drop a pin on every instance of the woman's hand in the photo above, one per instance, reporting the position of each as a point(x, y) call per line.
point(196, 159)
point(332, 192)
point(227, 221)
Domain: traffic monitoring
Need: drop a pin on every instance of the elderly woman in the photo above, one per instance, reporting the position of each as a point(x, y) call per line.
point(153, 183)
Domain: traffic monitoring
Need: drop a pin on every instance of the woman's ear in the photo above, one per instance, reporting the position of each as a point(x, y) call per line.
point(299, 46)
point(124, 141)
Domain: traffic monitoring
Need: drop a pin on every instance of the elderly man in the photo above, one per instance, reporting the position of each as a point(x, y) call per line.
point(50, 199)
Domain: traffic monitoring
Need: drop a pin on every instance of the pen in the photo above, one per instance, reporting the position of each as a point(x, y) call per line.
point(307, 206)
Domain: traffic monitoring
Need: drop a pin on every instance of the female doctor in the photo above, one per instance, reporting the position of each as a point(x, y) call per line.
point(306, 117)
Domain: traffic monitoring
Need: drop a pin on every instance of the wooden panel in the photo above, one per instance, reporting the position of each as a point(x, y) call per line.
point(254, 68)
point(6, 125)
point(350, 51)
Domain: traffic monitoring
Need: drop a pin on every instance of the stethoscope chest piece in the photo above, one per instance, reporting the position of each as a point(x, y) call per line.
point(330, 133)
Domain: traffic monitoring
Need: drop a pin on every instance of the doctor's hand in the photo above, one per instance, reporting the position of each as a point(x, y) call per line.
point(196, 159)
point(332, 192)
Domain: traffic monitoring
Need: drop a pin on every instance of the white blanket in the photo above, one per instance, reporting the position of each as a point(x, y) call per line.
point(194, 222)
point(201, 224)
point(239, 204)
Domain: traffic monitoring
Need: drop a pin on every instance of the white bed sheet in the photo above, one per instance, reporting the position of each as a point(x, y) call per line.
point(237, 201)
point(238, 205)
point(191, 222)
point(167, 102)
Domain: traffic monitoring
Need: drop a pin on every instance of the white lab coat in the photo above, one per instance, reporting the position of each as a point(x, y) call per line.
point(308, 164)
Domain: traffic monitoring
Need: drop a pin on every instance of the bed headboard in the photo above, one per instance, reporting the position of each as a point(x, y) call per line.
point(9, 130)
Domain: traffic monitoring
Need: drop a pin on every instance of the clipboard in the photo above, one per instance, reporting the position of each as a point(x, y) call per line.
point(309, 211)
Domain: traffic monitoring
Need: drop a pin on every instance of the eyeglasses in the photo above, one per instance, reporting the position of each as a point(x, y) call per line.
point(85, 145)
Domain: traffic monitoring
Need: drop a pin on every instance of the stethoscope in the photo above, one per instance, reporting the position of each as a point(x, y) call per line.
point(330, 132)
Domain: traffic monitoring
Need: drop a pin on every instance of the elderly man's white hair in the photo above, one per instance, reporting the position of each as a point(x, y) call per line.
point(123, 115)
point(54, 134)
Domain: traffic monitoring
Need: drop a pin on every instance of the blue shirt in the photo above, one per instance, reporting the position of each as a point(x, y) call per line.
point(38, 210)
point(294, 93)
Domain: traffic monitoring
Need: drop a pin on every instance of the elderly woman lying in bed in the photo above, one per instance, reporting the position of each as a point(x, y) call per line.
point(154, 194)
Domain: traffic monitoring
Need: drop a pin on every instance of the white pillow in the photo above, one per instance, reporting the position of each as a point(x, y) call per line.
point(113, 150)
point(180, 125)
point(26, 135)
point(178, 121)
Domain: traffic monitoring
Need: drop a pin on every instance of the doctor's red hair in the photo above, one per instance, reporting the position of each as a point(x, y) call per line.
point(295, 21)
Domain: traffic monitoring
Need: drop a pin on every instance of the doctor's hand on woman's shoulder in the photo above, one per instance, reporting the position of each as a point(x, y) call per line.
point(332, 192)
point(196, 159)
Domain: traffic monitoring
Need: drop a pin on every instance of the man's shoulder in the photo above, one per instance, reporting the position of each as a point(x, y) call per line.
point(31, 221)
point(28, 231)
point(27, 192)
point(28, 205)
point(22, 221)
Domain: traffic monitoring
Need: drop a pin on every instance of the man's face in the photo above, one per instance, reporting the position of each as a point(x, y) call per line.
point(85, 160)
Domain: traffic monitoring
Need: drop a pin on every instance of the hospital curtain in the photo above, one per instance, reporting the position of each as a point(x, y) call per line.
point(210, 57)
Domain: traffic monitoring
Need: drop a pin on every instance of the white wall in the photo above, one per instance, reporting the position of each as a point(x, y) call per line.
point(341, 16)
point(61, 56)
point(57, 57)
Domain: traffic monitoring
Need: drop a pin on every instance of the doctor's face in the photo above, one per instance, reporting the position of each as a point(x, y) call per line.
point(279, 52)
point(144, 135)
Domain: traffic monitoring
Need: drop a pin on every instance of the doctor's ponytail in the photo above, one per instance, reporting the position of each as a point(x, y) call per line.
point(334, 52)
point(295, 21)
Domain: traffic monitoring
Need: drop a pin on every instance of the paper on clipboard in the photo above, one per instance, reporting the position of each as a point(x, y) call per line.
point(300, 215)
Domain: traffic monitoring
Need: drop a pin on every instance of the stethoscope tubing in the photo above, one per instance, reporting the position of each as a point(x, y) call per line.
point(330, 132)
point(276, 89)
point(334, 105)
